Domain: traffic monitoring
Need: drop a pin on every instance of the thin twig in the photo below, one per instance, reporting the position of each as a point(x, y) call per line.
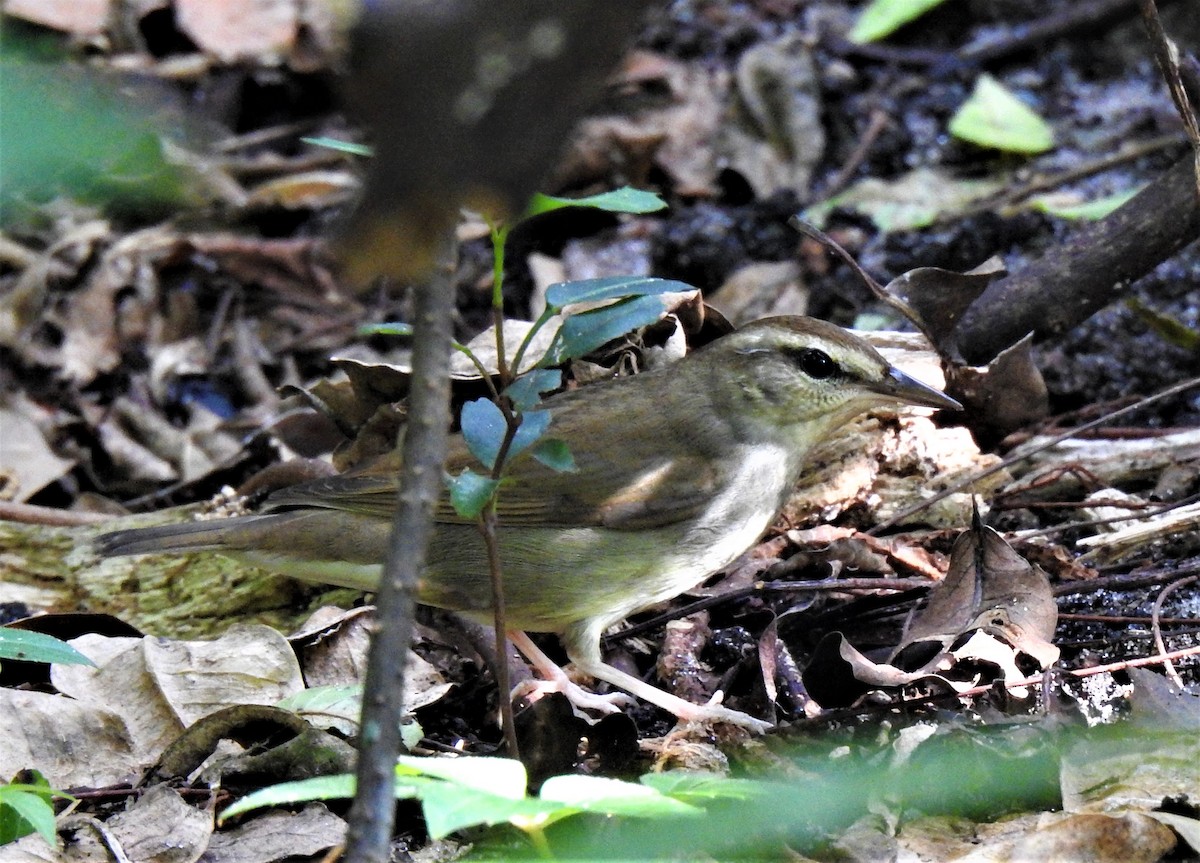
point(1166, 54)
point(1161, 645)
point(27, 513)
point(1011, 460)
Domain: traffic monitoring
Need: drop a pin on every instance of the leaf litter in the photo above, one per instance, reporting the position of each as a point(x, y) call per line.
point(175, 291)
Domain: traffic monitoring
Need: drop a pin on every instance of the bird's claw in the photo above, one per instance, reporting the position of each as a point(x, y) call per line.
point(580, 698)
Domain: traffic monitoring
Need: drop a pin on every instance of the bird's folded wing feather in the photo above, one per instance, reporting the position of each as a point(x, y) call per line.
point(617, 474)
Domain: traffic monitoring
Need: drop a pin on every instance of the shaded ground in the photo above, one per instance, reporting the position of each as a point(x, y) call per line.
point(144, 345)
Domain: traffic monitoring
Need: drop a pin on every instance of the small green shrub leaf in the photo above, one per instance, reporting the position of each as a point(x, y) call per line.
point(483, 429)
point(692, 787)
point(339, 787)
point(583, 333)
point(503, 777)
point(613, 797)
point(556, 455)
point(611, 288)
point(623, 200)
point(994, 117)
point(26, 809)
point(526, 391)
point(470, 493)
point(38, 647)
point(529, 432)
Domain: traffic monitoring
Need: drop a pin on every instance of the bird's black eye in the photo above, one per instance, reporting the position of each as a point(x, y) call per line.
point(817, 364)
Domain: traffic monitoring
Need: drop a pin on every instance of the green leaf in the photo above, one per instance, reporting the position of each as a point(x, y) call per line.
point(883, 17)
point(1087, 211)
point(623, 200)
point(470, 493)
point(337, 787)
point(1172, 330)
point(994, 117)
point(693, 787)
point(613, 797)
point(611, 288)
point(340, 146)
point(392, 328)
point(448, 807)
point(556, 455)
point(526, 391)
point(504, 777)
point(529, 432)
point(484, 429)
point(23, 812)
point(38, 647)
point(583, 333)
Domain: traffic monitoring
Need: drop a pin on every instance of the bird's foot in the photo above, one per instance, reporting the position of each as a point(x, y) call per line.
point(580, 698)
point(557, 680)
point(714, 711)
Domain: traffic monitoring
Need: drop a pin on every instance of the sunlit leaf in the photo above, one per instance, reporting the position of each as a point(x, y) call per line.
point(339, 787)
point(26, 809)
point(884, 17)
point(341, 146)
point(613, 797)
point(994, 117)
point(504, 777)
point(1086, 211)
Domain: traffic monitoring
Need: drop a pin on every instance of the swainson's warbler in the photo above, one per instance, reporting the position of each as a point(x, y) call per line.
point(680, 470)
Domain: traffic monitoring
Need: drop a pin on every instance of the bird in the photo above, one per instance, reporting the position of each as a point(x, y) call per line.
point(679, 471)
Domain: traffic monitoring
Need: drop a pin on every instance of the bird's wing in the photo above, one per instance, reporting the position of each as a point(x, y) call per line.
point(617, 472)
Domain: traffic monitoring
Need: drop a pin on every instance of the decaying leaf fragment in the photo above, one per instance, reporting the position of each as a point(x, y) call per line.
point(989, 589)
point(992, 610)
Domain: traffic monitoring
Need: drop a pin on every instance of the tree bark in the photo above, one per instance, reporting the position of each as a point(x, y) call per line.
point(1095, 266)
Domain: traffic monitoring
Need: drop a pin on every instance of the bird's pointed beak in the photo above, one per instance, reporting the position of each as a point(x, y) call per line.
point(905, 388)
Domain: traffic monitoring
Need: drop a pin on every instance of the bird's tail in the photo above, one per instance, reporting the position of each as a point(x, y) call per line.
point(192, 536)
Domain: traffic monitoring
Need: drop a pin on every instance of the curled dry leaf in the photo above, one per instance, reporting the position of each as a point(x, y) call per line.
point(990, 588)
point(1009, 394)
point(838, 674)
point(991, 609)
